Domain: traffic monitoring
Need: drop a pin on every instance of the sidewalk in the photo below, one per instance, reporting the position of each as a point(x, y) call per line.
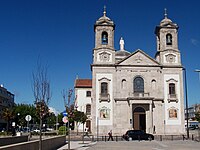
point(77, 145)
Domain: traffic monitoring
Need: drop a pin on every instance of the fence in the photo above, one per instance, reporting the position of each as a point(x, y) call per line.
point(193, 137)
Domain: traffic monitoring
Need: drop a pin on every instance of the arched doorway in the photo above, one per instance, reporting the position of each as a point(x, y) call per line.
point(88, 125)
point(139, 119)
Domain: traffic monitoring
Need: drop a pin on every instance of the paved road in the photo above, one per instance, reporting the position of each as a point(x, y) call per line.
point(146, 145)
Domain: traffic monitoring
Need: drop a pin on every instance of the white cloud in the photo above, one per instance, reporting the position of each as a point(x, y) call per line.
point(195, 42)
point(51, 109)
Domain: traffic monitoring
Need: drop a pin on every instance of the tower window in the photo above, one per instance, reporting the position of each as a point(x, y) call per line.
point(138, 85)
point(172, 89)
point(104, 88)
point(104, 38)
point(169, 39)
point(88, 93)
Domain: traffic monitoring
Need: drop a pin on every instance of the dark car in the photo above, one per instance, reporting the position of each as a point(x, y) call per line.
point(137, 135)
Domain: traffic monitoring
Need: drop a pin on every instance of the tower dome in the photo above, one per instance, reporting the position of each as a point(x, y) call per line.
point(165, 20)
point(104, 19)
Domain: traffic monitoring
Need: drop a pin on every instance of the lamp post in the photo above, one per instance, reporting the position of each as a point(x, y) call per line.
point(18, 123)
point(198, 71)
point(186, 99)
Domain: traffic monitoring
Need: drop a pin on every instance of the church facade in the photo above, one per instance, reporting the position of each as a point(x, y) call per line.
point(134, 90)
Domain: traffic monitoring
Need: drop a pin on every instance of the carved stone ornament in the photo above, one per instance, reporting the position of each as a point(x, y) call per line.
point(138, 59)
point(170, 58)
point(104, 56)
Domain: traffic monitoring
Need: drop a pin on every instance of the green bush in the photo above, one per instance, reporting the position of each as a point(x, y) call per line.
point(35, 133)
point(62, 130)
point(5, 133)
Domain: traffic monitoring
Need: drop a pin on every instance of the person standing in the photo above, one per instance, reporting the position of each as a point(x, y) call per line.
point(110, 135)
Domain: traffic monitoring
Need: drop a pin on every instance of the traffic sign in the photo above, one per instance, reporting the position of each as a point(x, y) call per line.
point(65, 119)
point(65, 113)
point(28, 117)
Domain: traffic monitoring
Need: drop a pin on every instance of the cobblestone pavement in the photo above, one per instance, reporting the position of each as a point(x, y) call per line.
point(146, 145)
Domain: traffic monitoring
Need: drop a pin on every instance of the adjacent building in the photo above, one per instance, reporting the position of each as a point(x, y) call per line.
point(83, 93)
point(132, 90)
point(6, 101)
point(192, 110)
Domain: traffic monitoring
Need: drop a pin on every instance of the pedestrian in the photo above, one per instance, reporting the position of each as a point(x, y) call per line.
point(110, 135)
point(86, 132)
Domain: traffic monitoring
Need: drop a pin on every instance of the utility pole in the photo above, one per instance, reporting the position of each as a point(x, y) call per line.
point(69, 97)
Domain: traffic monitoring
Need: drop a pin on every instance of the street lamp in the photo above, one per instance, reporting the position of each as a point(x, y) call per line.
point(186, 101)
point(18, 124)
point(197, 70)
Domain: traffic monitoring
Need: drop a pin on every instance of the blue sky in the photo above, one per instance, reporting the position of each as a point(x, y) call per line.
point(61, 34)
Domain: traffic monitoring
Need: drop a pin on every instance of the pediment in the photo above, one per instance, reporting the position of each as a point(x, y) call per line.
point(139, 58)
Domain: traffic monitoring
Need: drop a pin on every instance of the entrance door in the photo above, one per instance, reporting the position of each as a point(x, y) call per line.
point(88, 125)
point(139, 119)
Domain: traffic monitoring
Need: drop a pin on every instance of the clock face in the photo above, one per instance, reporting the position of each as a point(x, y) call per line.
point(170, 58)
point(104, 56)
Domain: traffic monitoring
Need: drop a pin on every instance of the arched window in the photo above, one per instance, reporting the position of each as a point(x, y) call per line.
point(172, 89)
point(104, 38)
point(139, 109)
point(88, 109)
point(123, 84)
point(138, 85)
point(153, 84)
point(104, 88)
point(169, 39)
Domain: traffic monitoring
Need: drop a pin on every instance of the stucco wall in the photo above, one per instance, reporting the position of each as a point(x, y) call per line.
point(47, 144)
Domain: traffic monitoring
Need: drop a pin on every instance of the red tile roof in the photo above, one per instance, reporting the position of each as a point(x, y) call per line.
point(83, 83)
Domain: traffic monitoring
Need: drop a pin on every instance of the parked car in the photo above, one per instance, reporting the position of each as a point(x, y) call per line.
point(137, 135)
point(2, 129)
point(36, 130)
point(25, 129)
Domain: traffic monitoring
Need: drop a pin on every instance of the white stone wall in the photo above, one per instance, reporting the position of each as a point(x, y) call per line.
point(99, 104)
point(169, 105)
point(81, 101)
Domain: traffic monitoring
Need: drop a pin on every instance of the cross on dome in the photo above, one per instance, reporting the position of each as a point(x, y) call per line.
point(104, 12)
point(165, 13)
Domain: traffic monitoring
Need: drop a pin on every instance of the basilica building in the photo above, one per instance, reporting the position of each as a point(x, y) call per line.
point(133, 90)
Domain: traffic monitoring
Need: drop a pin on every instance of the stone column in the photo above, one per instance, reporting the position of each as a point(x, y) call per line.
point(151, 117)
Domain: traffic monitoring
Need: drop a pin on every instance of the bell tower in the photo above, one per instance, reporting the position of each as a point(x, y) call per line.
point(104, 52)
point(167, 42)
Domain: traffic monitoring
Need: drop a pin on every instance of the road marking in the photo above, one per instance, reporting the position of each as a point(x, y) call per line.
point(157, 149)
point(161, 144)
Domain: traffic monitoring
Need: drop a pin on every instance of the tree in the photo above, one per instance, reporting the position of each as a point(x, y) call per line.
point(80, 117)
point(67, 99)
point(197, 116)
point(42, 93)
point(21, 110)
point(7, 115)
point(51, 119)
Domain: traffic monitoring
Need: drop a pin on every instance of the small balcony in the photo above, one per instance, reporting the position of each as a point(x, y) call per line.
point(132, 95)
point(88, 113)
point(139, 94)
point(172, 98)
point(104, 97)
